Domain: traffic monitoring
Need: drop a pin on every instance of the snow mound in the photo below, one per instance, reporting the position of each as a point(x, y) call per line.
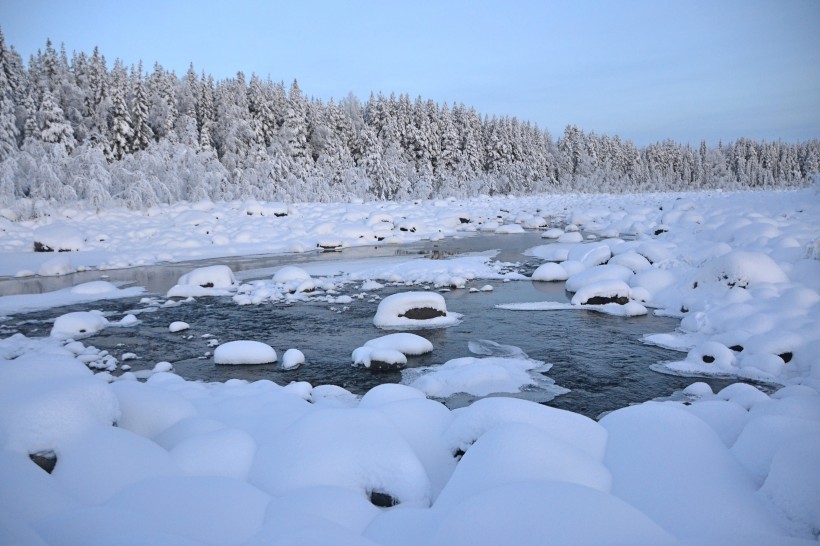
point(213, 276)
point(549, 272)
point(598, 273)
point(590, 254)
point(244, 352)
point(58, 237)
point(379, 359)
point(414, 310)
point(294, 279)
point(602, 292)
point(178, 326)
point(93, 288)
point(741, 269)
point(292, 359)
point(356, 449)
point(403, 342)
point(45, 404)
point(526, 522)
point(78, 324)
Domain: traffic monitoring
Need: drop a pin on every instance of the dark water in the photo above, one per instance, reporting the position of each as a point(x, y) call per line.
point(599, 357)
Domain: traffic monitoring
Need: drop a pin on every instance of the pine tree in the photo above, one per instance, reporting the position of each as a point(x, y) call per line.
point(206, 113)
point(8, 119)
point(142, 135)
point(53, 126)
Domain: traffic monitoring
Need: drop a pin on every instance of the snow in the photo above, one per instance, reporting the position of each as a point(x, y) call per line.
point(178, 326)
point(244, 352)
point(481, 376)
point(292, 359)
point(392, 309)
point(213, 280)
point(256, 462)
point(78, 324)
point(59, 237)
point(549, 272)
point(403, 342)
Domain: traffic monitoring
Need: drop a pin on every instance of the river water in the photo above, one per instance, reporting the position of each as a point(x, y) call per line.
point(600, 358)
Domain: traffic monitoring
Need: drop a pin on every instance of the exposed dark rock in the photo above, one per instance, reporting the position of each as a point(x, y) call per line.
point(602, 300)
point(423, 313)
point(328, 247)
point(660, 230)
point(708, 359)
point(464, 220)
point(207, 285)
point(46, 460)
point(280, 214)
point(382, 500)
point(737, 348)
point(787, 356)
point(40, 247)
point(459, 453)
point(382, 366)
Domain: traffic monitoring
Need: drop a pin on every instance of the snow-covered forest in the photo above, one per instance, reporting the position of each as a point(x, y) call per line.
point(75, 128)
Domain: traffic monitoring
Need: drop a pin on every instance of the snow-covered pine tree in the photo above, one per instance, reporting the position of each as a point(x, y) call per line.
point(142, 134)
point(121, 129)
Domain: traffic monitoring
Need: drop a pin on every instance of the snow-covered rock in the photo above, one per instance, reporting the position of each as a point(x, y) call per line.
point(414, 310)
point(292, 359)
point(58, 237)
point(78, 324)
point(244, 352)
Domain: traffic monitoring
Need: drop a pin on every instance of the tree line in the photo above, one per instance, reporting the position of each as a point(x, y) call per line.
point(76, 129)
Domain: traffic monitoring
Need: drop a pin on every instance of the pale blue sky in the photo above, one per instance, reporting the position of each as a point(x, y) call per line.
point(644, 69)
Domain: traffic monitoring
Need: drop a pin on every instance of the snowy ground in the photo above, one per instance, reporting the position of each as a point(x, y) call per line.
point(239, 462)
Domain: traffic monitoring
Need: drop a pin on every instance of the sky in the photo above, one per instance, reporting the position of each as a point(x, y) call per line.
point(646, 70)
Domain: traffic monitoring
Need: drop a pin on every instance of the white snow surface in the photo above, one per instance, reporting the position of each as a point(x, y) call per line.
point(392, 309)
point(256, 463)
point(244, 351)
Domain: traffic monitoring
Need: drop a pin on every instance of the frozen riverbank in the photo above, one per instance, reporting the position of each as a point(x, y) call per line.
point(254, 462)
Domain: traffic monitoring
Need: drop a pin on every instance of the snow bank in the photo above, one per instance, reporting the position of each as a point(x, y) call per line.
point(58, 237)
point(46, 403)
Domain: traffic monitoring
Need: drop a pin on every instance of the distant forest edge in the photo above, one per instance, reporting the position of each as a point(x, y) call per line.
point(74, 129)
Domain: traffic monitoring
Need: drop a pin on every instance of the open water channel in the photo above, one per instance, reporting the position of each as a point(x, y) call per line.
point(600, 358)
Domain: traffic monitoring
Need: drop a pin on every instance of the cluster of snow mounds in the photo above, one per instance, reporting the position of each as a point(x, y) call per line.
point(390, 352)
point(738, 270)
point(255, 462)
point(407, 310)
point(597, 280)
point(171, 461)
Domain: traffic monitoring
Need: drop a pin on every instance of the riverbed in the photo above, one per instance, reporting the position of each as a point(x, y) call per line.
point(599, 358)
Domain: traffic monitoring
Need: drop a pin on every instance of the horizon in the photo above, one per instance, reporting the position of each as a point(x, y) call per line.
point(644, 72)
